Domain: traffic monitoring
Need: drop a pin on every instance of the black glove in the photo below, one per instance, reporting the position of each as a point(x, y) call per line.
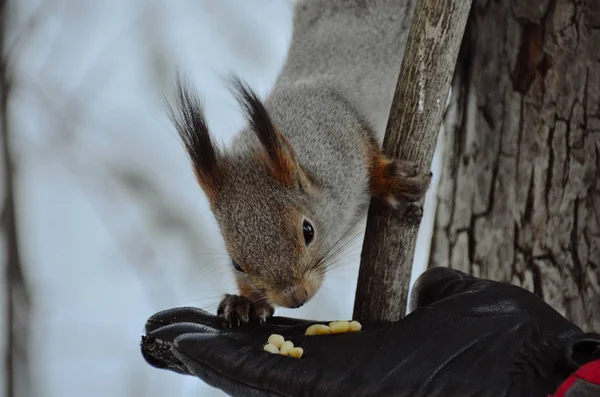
point(467, 337)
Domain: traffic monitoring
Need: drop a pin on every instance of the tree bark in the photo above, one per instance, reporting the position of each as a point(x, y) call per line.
point(519, 197)
point(413, 126)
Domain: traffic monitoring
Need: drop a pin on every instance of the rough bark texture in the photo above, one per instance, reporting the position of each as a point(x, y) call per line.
point(416, 114)
point(519, 198)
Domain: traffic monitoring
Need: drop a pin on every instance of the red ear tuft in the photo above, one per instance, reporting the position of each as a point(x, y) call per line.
point(188, 117)
point(278, 153)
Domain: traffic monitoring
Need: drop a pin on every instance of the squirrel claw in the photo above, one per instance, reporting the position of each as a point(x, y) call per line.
point(406, 168)
point(398, 182)
point(409, 185)
point(239, 309)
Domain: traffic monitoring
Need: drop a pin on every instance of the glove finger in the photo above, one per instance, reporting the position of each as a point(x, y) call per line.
point(439, 283)
point(582, 350)
point(199, 316)
point(184, 315)
point(233, 365)
point(291, 321)
point(461, 294)
point(170, 332)
point(156, 345)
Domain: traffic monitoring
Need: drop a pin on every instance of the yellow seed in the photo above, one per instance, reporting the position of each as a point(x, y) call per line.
point(286, 347)
point(354, 326)
point(296, 352)
point(339, 327)
point(276, 340)
point(271, 348)
point(317, 329)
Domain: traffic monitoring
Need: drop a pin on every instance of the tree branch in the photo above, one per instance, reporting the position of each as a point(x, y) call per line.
point(16, 295)
point(413, 126)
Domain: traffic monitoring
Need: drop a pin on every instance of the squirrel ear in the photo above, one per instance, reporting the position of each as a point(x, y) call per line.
point(278, 152)
point(191, 125)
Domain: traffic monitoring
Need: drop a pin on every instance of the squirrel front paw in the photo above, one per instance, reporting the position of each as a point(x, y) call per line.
point(238, 309)
point(398, 181)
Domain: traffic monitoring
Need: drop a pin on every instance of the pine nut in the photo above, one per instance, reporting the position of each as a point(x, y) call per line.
point(271, 348)
point(276, 340)
point(296, 352)
point(339, 327)
point(354, 326)
point(286, 347)
point(317, 329)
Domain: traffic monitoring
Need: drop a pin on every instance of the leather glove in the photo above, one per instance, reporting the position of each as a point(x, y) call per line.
point(464, 337)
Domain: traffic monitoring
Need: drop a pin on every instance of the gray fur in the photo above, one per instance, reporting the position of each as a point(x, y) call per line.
point(335, 89)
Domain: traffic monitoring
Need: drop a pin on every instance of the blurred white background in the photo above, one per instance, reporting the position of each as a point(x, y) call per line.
point(112, 224)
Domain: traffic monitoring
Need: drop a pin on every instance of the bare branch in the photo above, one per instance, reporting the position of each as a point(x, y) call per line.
point(412, 130)
point(17, 295)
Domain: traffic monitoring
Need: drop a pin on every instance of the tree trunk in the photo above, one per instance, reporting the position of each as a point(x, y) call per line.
point(519, 197)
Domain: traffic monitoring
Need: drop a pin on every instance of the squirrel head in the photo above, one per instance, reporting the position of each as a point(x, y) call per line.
point(266, 204)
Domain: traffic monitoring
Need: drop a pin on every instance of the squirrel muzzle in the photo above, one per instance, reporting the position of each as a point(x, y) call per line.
point(297, 294)
point(294, 296)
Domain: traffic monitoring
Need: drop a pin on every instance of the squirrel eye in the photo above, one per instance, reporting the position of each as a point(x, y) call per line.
point(308, 231)
point(237, 267)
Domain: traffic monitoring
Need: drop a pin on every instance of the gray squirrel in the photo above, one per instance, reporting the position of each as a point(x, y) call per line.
point(307, 164)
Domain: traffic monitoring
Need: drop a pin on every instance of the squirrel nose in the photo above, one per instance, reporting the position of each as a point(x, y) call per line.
point(296, 296)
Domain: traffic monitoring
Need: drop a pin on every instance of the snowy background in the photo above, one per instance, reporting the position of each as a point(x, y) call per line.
point(113, 225)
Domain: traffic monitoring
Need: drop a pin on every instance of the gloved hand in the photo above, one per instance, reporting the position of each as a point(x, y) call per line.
point(465, 337)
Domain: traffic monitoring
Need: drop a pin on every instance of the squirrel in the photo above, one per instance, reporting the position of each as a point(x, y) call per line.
point(305, 167)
